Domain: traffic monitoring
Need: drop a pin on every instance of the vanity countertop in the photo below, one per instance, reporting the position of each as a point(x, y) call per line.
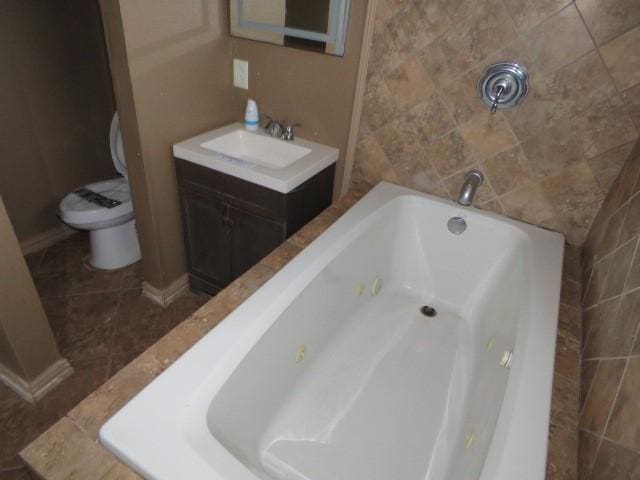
point(315, 157)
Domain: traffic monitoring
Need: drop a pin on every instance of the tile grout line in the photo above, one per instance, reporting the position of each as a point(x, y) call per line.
point(608, 439)
point(116, 317)
point(611, 408)
point(621, 357)
point(630, 267)
point(607, 277)
point(609, 299)
point(586, 397)
point(613, 403)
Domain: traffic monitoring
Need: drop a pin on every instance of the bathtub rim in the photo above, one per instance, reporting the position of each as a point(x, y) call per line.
point(175, 389)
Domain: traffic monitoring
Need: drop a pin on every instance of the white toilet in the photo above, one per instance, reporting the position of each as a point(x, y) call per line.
point(105, 209)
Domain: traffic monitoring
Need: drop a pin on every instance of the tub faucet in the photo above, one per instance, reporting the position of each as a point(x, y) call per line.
point(472, 181)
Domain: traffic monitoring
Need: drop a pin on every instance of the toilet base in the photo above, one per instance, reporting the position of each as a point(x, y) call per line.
point(114, 247)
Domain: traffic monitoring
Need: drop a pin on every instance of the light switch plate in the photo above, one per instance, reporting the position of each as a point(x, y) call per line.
point(241, 74)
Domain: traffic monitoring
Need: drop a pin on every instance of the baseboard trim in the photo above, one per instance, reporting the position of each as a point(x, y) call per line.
point(166, 296)
point(34, 390)
point(46, 239)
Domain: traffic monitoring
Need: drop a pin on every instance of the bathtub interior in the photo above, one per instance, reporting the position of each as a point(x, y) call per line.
point(354, 384)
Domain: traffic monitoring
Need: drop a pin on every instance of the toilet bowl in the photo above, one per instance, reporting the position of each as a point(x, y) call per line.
point(105, 210)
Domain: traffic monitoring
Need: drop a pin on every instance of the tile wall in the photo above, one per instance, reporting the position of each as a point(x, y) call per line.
point(550, 162)
point(610, 383)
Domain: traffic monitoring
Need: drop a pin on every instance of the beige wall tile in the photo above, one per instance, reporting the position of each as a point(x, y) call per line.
point(450, 154)
point(379, 106)
point(385, 55)
point(431, 117)
point(410, 84)
point(372, 164)
point(528, 203)
point(552, 152)
point(508, 170)
point(588, 370)
point(447, 58)
point(606, 19)
point(612, 330)
point(633, 280)
point(402, 142)
point(596, 283)
point(601, 395)
point(462, 97)
point(631, 101)
point(622, 58)
point(624, 427)
point(615, 462)
point(576, 197)
point(620, 263)
point(631, 224)
point(587, 449)
point(560, 40)
point(606, 166)
point(418, 24)
point(571, 123)
point(603, 124)
point(487, 135)
point(530, 13)
point(492, 205)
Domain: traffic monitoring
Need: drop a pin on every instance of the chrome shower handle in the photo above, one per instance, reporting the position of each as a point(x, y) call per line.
point(499, 89)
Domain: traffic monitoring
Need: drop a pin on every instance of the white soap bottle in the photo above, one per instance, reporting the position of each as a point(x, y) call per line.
point(251, 116)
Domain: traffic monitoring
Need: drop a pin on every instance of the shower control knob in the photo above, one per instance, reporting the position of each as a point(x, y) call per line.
point(503, 86)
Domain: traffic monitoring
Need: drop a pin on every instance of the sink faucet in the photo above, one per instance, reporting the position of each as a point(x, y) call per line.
point(472, 181)
point(279, 130)
point(274, 128)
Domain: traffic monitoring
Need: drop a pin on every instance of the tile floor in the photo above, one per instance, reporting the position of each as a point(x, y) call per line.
point(100, 321)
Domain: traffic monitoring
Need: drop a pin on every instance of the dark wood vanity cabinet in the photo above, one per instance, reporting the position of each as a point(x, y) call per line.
point(230, 224)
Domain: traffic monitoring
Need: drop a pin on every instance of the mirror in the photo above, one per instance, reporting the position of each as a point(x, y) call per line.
point(318, 25)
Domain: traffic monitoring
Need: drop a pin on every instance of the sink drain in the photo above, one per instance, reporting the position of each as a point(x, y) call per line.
point(428, 311)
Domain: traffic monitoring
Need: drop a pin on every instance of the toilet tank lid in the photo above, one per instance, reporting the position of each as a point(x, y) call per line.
point(117, 150)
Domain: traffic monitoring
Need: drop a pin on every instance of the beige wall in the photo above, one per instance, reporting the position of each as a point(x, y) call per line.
point(300, 86)
point(172, 77)
point(56, 110)
point(27, 346)
point(549, 162)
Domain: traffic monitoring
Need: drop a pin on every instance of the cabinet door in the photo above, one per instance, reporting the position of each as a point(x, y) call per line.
point(252, 238)
point(207, 237)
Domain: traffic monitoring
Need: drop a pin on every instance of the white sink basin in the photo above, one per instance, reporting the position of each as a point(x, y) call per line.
point(257, 149)
point(257, 157)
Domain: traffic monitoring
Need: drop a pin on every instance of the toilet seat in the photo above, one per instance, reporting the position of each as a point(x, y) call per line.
point(117, 149)
point(79, 212)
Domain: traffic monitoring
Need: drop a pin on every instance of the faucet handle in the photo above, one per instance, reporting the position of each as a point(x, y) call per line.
point(273, 127)
point(288, 132)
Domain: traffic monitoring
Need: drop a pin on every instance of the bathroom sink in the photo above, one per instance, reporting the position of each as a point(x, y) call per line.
point(258, 149)
point(256, 157)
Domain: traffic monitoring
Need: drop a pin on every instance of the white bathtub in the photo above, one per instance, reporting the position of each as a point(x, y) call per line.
point(318, 377)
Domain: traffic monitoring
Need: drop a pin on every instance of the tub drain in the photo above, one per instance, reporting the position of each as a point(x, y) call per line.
point(428, 311)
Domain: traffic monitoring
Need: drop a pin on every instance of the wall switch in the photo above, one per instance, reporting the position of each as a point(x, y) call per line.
point(241, 74)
